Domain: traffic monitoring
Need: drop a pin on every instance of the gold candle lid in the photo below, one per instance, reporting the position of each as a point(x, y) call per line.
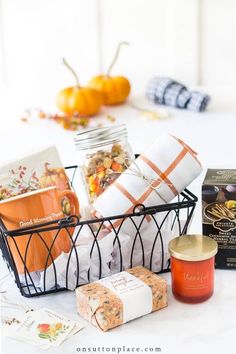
point(193, 247)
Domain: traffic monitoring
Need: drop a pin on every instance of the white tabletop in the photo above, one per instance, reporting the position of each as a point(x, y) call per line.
point(180, 328)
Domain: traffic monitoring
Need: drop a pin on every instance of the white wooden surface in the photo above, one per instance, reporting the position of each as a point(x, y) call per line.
point(205, 328)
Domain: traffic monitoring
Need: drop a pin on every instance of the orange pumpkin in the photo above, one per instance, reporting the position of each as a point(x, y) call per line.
point(84, 101)
point(54, 177)
point(57, 177)
point(115, 89)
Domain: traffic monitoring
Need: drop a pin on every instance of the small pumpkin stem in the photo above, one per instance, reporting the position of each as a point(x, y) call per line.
point(115, 57)
point(47, 170)
point(72, 71)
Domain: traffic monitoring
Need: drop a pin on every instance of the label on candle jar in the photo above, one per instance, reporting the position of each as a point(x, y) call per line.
point(198, 280)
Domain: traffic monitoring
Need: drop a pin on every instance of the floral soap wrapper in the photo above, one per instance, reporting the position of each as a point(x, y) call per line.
point(36, 171)
point(122, 297)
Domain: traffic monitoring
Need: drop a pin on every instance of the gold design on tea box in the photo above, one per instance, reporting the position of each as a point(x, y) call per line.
point(216, 211)
point(225, 175)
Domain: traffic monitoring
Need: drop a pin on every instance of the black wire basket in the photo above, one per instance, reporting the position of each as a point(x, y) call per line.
point(98, 254)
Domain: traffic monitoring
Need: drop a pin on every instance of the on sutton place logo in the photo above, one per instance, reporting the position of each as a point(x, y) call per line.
point(198, 277)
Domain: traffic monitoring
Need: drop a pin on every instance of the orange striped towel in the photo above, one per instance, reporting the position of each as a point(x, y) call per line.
point(155, 177)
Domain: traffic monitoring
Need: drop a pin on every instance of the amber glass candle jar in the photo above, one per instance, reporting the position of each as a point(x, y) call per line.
point(192, 267)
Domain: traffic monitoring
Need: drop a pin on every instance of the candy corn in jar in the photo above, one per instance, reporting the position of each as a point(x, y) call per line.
point(104, 153)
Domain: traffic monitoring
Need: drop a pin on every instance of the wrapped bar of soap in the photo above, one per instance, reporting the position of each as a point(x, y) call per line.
point(122, 297)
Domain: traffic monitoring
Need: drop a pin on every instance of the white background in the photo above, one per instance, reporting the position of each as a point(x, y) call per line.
point(190, 40)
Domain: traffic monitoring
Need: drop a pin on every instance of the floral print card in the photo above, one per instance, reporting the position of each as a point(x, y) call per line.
point(43, 328)
point(39, 170)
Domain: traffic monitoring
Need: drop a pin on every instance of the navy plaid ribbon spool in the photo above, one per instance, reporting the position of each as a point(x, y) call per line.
point(164, 90)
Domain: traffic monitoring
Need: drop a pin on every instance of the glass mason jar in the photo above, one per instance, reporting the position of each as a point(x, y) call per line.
point(104, 153)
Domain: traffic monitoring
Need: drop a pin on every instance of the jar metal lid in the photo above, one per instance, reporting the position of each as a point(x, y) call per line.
point(96, 137)
point(193, 247)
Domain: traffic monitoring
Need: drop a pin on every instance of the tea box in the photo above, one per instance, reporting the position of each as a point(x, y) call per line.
point(219, 214)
